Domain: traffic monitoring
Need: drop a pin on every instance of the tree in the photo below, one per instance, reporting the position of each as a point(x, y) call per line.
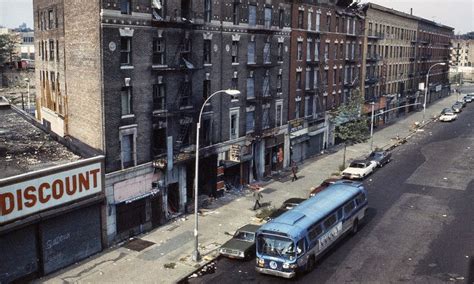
point(352, 127)
point(8, 47)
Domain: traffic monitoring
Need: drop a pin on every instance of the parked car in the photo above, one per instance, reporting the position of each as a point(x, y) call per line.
point(457, 108)
point(380, 156)
point(359, 169)
point(287, 205)
point(467, 98)
point(445, 110)
point(322, 186)
point(242, 244)
point(448, 116)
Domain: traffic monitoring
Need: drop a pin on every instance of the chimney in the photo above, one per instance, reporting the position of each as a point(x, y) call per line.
point(411, 11)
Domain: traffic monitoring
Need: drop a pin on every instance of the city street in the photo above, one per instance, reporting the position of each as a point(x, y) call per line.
point(419, 227)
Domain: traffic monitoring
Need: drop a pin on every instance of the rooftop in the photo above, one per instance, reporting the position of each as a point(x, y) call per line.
point(25, 147)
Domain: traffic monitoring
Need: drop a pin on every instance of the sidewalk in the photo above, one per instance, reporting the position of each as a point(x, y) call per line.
point(172, 245)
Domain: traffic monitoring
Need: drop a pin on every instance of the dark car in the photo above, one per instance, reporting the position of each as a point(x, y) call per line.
point(242, 244)
point(381, 157)
point(446, 110)
point(457, 107)
point(322, 186)
point(287, 205)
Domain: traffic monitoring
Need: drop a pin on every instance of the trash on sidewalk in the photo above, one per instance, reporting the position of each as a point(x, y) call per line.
point(170, 265)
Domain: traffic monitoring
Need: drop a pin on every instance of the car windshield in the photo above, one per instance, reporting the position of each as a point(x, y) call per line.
point(245, 236)
point(358, 165)
point(276, 246)
point(376, 155)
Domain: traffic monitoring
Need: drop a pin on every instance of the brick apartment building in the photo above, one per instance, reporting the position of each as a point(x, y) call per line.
point(462, 58)
point(396, 59)
point(326, 43)
point(127, 78)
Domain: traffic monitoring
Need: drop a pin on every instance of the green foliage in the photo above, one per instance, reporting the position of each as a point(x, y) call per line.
point(352, 127)
point(8, 43)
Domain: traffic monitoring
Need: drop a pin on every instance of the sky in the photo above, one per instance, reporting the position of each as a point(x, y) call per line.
point(454, 13)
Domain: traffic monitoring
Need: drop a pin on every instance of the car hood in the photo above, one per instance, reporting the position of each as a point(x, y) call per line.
point(354, 170)
point(237, 245)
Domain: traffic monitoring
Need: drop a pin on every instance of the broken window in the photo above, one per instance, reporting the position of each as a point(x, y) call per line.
point(158, 9)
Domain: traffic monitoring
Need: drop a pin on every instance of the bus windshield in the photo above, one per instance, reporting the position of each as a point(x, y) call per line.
point(276, 246)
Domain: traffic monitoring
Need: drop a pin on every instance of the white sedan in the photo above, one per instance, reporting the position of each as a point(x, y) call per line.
point(359, 169)
point(448, 116)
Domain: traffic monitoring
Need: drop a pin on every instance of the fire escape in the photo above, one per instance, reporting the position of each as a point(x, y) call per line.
point(177, 114)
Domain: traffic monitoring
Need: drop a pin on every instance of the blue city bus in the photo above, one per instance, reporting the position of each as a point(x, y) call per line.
point(294, 241)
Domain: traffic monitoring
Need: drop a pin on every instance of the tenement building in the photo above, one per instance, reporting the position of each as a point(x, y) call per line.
point(326, 55)
point(462, 59)
point(397, 58)
point(128, 78)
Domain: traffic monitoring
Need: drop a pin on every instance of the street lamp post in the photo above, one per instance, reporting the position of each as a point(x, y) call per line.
point(426, 86)
point(372, 127)
point(196, 255)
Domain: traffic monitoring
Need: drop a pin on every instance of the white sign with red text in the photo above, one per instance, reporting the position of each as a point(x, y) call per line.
point(34, 195)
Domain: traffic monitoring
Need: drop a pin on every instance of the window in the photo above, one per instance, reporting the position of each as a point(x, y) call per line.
point(252, 15)
point(125, 50)
point(159, 97)
point(266, 85)
point(127, 150)
point(335, 51)
point(250, 121)
point(326, 52)
point(349, 207)
point(51, 50)
point(236, 13)
point(279, 83)
point(306, 106)
point(318, 22)
point(310, 21)
point(57, 50)
point(50, 19)
point(53, 81)
point(328, 23)
point(207, 11)
point(266, 117)
point(348, 27)
point(159, 51)
point(330, 221)
point(235, 83)
point(235, 51)
point(337, 24)
point(308, 79)
point(315, 78)
point(297, 109)
point(207, 51)
point(299, 51)
point(308, 50)
point(326, 77)
point(280, 52)
point(206, 89)
point(250, 88)
point(251, 52)
point(279, 114)
point(314, 231)
point(300, 19)
point(281, 18)
point(334, 76)
point(266, 53)
point(268, 17)
point(234, 124)
point(125, 6)
point(298, 80)
point(317, 46)
point(126, 101)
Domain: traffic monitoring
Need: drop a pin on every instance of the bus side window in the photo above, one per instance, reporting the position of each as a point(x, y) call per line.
point(349, 207)
point(339, 214)
point(360, 198)
point(330, 221)
point(314, 231)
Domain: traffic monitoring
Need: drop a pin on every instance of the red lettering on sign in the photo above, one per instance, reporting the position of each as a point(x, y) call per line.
point(58, 189)
point(30, 197)
point(94, 176)
point(19, 199)
point(83, 181)
point(71, 189)
point(4, 207)
point(42, 187)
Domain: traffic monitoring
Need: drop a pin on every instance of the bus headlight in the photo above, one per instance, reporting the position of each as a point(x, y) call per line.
point(241, 254)
point(260, 262)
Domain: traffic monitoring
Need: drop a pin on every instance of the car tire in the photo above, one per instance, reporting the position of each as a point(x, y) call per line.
point(310, 264)
point(355, 227)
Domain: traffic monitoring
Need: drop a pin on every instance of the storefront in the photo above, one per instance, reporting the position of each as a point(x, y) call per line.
point(274, 153)
point(51, 218)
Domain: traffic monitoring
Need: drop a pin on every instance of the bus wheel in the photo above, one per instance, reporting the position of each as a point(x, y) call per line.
point(355, 226)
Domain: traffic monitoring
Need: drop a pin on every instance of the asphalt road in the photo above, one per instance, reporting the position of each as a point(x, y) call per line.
point(420, 225)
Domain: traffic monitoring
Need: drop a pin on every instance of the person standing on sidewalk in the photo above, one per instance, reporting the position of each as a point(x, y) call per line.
point(257, 196)
point(294, 169)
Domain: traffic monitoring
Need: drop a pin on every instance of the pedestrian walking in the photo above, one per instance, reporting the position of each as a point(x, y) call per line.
point(294, 169)
point(257, 196)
